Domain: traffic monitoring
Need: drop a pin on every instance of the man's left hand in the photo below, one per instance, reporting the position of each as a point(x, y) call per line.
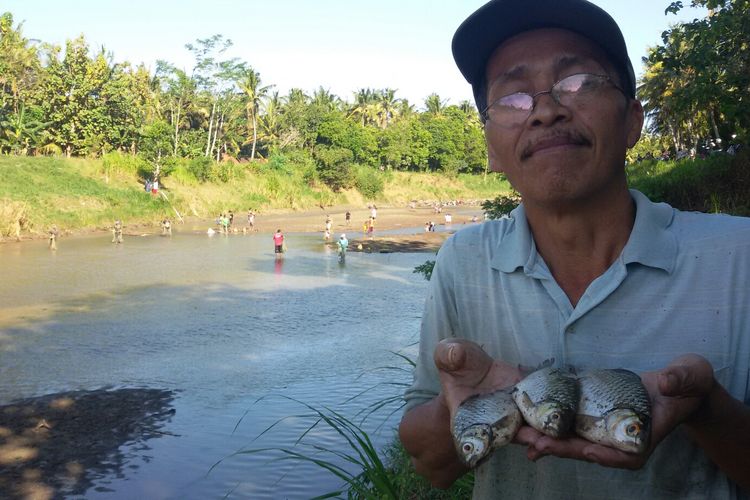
point(676, 393)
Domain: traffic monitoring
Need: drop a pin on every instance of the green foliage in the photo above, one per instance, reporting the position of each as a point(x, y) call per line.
point(201, 168)
point(368, 181)
point(334, 167)
point(156, 140)
point(409, 484)
point(425, 269)
point(719, 183)
point(367, 473)
point(122, 163)
point(501, 205)
point(695, 85)
point(405, 145)
point(55, 191)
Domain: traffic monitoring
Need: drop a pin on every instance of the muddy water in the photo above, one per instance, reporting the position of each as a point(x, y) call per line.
point(235, 332)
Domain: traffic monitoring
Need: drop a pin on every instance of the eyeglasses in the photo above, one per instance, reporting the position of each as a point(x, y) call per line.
point(573, 90)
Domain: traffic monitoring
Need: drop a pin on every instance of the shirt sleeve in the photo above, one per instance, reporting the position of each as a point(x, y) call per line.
point(438, 323)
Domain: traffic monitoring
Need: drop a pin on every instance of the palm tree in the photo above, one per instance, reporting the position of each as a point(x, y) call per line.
point(434, 105)
point(365, 106)
point(387, 102)
point(19, 63)
point(325, 99)
point(269, 121)
point(250, 85)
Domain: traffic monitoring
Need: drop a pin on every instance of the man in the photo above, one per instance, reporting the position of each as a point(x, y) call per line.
point(117, 232)
point(584, 272)
point(343, 244)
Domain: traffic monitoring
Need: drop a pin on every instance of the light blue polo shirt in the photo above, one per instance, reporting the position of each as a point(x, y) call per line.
point(681, 285)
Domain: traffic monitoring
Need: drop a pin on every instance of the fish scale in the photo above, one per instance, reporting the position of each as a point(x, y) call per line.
point(547, 399)
point(614, 410)
point(610, 389)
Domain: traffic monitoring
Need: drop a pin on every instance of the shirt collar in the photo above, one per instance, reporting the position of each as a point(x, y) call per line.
point(650, 243)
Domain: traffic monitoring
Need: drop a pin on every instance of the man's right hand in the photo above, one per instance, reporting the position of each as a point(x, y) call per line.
point(464, 370)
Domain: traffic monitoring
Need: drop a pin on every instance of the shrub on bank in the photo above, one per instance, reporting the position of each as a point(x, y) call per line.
point(368, 182)
point(719, 183)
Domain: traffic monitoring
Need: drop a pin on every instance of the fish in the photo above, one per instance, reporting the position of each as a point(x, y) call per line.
point(484, 423)
point(614, 409)
point(548, 399)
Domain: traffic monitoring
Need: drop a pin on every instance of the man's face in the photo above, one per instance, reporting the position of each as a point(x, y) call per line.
point(559, 154)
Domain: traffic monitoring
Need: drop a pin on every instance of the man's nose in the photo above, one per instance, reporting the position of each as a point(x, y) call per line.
point(547, 110)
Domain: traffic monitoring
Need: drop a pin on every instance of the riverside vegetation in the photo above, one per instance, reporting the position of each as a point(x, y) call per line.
point(80, 194)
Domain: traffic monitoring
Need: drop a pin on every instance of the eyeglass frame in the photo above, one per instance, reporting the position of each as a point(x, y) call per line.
point(484, 114)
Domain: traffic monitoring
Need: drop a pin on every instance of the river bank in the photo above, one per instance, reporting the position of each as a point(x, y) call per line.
point(310, 221)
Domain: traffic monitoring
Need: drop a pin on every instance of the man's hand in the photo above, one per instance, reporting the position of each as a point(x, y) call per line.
point(465, 370)
point(677, 393)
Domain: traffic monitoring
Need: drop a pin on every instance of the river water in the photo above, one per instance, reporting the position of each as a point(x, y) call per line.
point(242, 338)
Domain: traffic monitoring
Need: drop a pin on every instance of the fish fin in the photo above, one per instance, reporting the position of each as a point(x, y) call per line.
point(526, 399)
point(529, 369)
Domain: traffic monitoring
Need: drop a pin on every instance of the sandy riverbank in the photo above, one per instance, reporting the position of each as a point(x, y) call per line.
point(310, 221)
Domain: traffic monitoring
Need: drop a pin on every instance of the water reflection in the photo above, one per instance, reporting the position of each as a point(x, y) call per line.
point(59, 444)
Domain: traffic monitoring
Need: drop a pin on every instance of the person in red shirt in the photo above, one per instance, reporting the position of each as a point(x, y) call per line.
point(278, 242)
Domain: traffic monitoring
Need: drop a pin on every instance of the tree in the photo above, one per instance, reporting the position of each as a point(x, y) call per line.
point(179, 93)
point(20, 68)
point(434, 105)
point(213, 79)
point(696, 85)
point(365, 107)
point(20, 131)
point(249, 83)
point(71, 98)
point(387, 106)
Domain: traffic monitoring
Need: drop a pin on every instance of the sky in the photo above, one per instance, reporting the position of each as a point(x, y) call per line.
point(340, 45)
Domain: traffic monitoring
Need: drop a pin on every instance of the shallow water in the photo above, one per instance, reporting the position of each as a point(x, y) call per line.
point(233, 330)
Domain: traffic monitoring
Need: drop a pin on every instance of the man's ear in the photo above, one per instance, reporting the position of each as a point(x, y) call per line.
point(634, 122)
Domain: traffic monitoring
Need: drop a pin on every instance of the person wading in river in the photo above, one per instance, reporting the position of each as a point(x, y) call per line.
point(278, 244)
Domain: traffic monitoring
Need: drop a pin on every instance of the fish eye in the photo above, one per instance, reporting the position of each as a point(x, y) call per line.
point(633, 430)
point(468, 447)
point(555, 416)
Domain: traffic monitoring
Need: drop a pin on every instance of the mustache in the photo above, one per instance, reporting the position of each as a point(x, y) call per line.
point(570, 136)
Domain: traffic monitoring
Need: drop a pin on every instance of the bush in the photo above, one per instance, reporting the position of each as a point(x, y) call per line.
point(501, 205)
point(334, 166)
point(368, 182)
point(118, 163)
point(718, 183)
point(200, 167)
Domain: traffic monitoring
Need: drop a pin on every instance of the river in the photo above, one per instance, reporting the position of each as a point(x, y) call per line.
point(243, 340)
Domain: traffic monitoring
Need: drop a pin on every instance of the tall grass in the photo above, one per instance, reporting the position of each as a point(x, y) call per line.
point(84, 193)
point(364, 471)
point(71, 194)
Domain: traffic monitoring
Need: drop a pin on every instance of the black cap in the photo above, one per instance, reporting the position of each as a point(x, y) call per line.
point(497, 21)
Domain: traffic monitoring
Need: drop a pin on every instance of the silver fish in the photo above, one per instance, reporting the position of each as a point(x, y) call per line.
point(483, 423)
point(614, 410)
point(547, 399)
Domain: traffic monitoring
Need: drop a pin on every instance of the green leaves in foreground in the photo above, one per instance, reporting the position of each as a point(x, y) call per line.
point(370, 479)
point(353, 458)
